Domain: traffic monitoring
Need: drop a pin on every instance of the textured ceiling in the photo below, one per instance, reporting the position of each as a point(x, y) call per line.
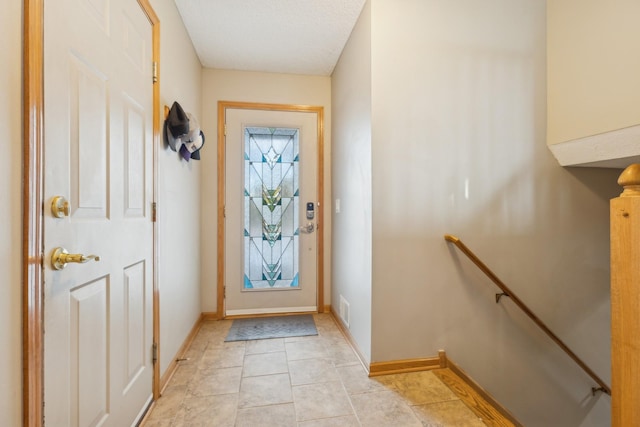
point(281, 36)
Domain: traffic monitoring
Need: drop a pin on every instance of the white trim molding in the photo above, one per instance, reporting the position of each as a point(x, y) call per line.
point(615, 149)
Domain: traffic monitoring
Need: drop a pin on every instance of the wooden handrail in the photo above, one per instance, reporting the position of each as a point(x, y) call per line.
point(456, 241)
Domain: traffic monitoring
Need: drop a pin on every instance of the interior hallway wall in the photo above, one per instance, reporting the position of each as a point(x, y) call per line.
point(351, 173)
point(458, 99)
point(179, 191)
point(11, 227)
point(459, 147)
point(243, 86)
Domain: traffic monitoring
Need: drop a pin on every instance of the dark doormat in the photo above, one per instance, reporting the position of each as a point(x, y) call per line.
point(272, 327)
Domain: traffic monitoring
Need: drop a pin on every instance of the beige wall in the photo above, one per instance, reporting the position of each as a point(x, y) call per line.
point(593, 68)
point(11, 226)
point(351, 174)
point(458, 146)
point(222, 85)
point(179, 191)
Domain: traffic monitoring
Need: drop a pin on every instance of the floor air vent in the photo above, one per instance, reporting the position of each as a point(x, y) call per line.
point(344, 310)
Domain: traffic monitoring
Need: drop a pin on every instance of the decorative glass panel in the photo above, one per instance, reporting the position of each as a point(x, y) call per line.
point(271, 187)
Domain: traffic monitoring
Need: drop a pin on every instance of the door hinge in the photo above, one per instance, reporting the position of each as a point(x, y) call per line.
point(224, 211)
point(225, 129)
point(154, 352)
point(154, 212)
point(155, 72)
point(225, 292)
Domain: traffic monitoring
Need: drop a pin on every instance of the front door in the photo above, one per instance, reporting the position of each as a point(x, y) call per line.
point(271, 211)
point(98, 84)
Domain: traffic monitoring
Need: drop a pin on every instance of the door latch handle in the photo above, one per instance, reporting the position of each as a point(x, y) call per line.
point(60, 258)
point(307, 229)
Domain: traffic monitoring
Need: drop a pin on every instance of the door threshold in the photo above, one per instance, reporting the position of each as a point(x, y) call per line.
point(278, 311)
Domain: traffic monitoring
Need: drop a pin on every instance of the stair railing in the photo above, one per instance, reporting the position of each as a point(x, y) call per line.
point(518, 302)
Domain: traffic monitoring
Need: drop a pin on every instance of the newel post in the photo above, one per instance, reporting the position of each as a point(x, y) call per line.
point(625, 301)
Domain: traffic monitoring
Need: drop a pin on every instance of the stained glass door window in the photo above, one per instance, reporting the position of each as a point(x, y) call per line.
point(271, 208)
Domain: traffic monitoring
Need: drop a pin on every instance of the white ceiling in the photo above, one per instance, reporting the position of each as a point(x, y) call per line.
point(280, 36)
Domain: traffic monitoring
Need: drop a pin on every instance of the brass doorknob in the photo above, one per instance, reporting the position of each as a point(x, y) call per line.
point(61, 257)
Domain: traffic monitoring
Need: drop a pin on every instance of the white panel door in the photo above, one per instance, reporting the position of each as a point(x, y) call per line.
point(98, 156)
point(270, 243)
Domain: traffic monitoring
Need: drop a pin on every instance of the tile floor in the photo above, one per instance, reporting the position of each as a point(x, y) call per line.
point(302, 382)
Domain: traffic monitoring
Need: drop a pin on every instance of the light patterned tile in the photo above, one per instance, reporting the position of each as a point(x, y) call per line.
point(217, 381)
point(324, 319)
point(356, 380)
point(452, 413)
point(342, 354)
point(265, 364)
point(336, 342)
point(200, 342)
point(221, 343)
point(184, 373)
point(310, 371)
point(418, 387)
point(218, 411)
point(265, 390)
point(383, 409)
point(222, 357)
point(331, 334)
point(264, 346)
point(348, 421)
point(225, 383)
point(216, 325)
point(267, 416)
point(323, 400)
point(169, 403)
point(219, 335)
point(156, 423)
point(307, 349)
point(192, 356)
point(303, 338)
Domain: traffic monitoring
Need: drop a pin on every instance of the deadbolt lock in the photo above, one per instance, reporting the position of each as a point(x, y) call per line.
point(59, 207)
